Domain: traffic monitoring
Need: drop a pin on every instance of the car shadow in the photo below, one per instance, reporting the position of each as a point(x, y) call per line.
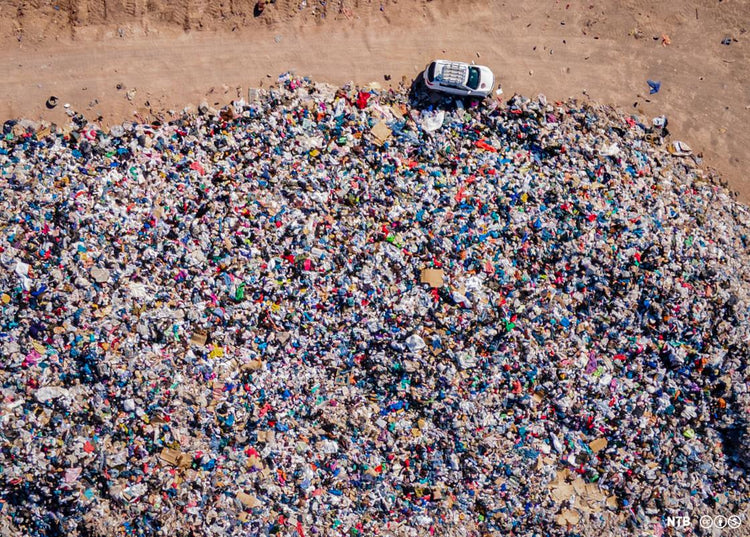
point(734, 442)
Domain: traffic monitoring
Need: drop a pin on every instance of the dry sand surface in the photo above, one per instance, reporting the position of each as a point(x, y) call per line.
point(167, 54)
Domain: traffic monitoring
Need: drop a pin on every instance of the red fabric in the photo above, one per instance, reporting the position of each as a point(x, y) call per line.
point(197, 167)
point(362, 99)
point(481, 144)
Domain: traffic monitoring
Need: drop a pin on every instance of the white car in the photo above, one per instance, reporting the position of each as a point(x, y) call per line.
point(459, 78)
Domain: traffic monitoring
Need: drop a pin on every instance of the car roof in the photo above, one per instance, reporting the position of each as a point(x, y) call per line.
point(454, 73)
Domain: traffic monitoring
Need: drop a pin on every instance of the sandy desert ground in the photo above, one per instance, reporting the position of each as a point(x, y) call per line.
point(163, 55)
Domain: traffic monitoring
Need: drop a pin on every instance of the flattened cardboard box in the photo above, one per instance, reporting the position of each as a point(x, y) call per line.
point(248, 500)
point(380, 133)
point(199, 338)
point(432, 277)
point(175, 458)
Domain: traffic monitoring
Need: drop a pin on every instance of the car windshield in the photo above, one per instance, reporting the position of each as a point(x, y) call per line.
point(473, 82)
point(431, 72)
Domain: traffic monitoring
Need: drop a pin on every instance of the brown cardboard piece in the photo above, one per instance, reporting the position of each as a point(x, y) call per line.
point(253, 461)
point(174, 457)
point(380, 133)
point(169, 456)
point(248, 500)
point(586, 497)
point(598, 444)
point(199, 338)
point(432, 277)
point(568, 517)
point(43, 133)
point(103, 312)
point(252, 365)
point(560, 490)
